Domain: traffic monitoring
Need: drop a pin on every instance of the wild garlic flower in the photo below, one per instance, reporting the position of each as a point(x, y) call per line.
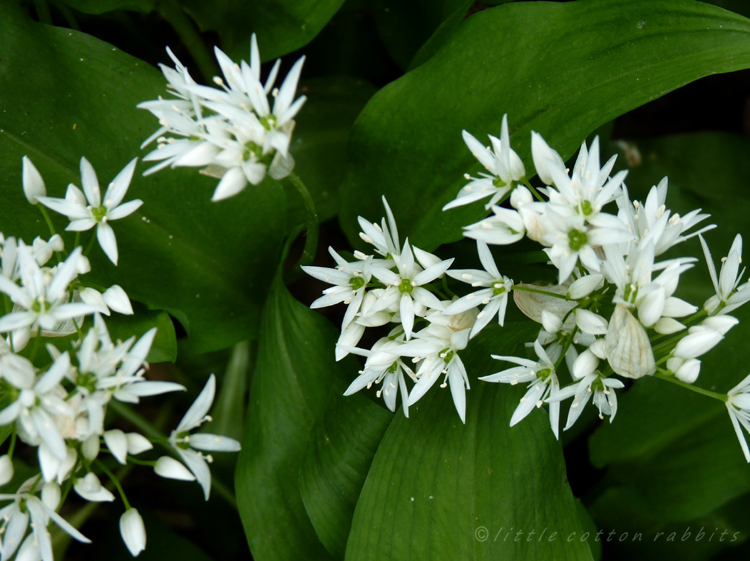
point(189, 447)
point(42, 299)
point(383, 237)
point(382, 366)
point(502, 163)
point(242, 137)
point(436, 349)
point(407, 286)
point(728, 295)
point(738, 407)
point(87, 209)
point(24, 508)
point(493, 296)
point(541, 376)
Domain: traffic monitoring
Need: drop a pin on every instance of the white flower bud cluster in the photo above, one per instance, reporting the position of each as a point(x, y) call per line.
point(232, 132)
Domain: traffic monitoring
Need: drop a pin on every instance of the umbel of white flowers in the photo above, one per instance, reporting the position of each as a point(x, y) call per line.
point(233, 132)
point(605, 248)
point(61, 408)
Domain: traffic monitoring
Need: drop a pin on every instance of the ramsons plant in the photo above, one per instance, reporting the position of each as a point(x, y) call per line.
point(472, 249)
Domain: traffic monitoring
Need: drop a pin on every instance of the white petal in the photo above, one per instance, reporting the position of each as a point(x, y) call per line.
point(170, 468)
point(133, 531)
point(117, 443)
point(213, 443)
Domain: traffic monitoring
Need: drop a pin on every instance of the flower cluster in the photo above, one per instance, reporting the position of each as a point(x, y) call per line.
point(401, 286)
point(55, 396)
point(233, 132)
point(611, 312)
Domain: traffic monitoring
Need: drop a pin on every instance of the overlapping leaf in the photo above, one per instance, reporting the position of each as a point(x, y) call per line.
point(64, 95)
point(562, 69)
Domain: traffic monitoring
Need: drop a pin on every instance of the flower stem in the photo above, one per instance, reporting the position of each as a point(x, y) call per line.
point(311, 243)
point(532, 189)
point(537, 291)
point(91, 245)
point(115, 482)
point(171, 11)
point(47, 219)
point(664, 375)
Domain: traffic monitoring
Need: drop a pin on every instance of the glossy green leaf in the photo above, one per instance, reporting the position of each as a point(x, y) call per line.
point(104, 6)
point(562, 69)
point(208, 264)
point(282, 26)
point(319, 142)
point(405, 25)
point(164, 347)
point(439, 489)
point(629, 531)
point(291, 385)
point(338, 457)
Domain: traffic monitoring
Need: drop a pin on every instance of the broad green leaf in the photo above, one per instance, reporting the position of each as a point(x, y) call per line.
point(405, 25)
point(336, 463)
point(562, 69)
point(104, 6)
point(630, 531)
point(319, 142)
point(439, 489)
point(441, 36)
point(282, 26)
point(208, 264)
point(289, 393)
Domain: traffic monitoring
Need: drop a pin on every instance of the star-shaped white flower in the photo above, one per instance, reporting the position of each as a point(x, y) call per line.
point(543, 383)
point(86, 209)
point(738, 407)
point(494, 294)
point(189, 446)
point(725, 283)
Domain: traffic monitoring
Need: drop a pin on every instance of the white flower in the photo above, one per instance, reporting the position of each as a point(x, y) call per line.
point(603, 390)
point(704, 337)
point(383, 237)
point(133, 531)
point(494, 295)
point(725, 284)
point(36, 400)
point(501, 161)
point(17, 514)
point(738, 406)
point(87, 209)
point(350, 281)
point(381, 366)
point(406, 286)
point(187, 445)
point(44, 300)
point(543, 383)
point(504, 227)
point(33, 184)
point(436, 347)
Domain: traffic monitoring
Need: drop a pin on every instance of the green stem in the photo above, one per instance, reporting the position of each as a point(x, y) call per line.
point(537, 291)
point(173, 13)
point(532, 189)
point(664, 375)
point(115, 482)
point(311, 243)
point(47, 219)
point(12, 444)
point(143, 424)
point(91, 244)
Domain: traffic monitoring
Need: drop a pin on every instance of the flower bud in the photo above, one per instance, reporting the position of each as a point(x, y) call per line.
point(51, 495)
point(137, 443)
point(689, 371)
point(118, 300)
point(591, 323)
point(585, 285)
point(117, 443)
point(33, 184)
point(520, 196)
point(6, 469)
point(172, 469)
point(133, 531)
